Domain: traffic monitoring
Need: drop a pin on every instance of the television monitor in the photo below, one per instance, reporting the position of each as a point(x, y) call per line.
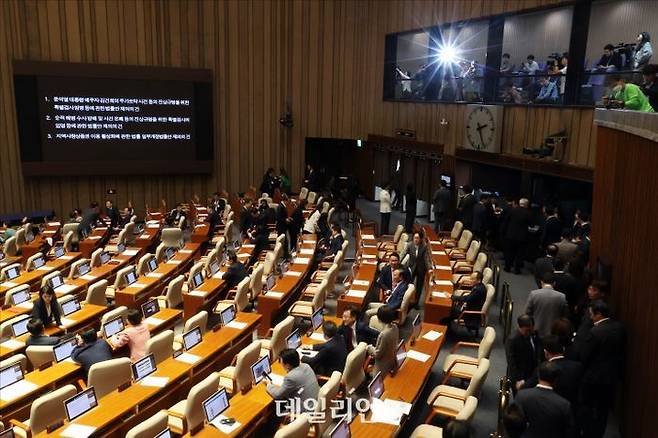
point(213, 268)
point(71, 306)
point(144, 367)
point(63, 350)
point(215, 405)
point(150, 308)
point(19, 328)
point(10, 375)
point(197, 280)
point(294, 340)
point(130, 277)
point(269, 283)
point(227, 315)
point(191, 338)
point(105, 257)
point(261, 369)
point(400, 355)
point(113, 326)
point(80, 403)
point(83, 269)
point(121, 247)
point(169, 253)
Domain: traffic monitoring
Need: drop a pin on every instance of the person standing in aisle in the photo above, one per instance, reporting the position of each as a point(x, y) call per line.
point(385, 208)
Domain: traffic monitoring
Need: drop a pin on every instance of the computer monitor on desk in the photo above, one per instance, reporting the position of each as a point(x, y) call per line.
point(58, 251)
point(38, 262)
point(197, 280)
point(10, 375)
point(113, 326)
point(376, 386)
point(192, 338)
point(19, 328)
point(7, 433)
point(83, 269)
point(71, 306)
point(342, 429)
point(63, 350)
point(131, 277)
point(400, 356)
point(317, 319)
point(144, 367)
point(80, 404)
point(20, 297)
point(164, 434)
point(105, 257)
point(150, 308)
point(227, 315)
point(152, 264)
point(12, 273)
point(294, 340)
point(214, 406)
point(261, 369)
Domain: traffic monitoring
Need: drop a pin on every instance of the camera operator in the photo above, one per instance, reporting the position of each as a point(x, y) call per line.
point(627, 96)
point(610, 60)
point(643, 51)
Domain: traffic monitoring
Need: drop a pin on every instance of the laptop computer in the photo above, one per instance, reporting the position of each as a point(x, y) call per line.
point(131, 277)
point(214, 406)
point(38, 262)
point(376, 386)
point(19, 328)
point(10, 375)
point(317, 319)
point(63, 350)
point(144, 367)
point(169, 253)
point(71, 306)
point(261, 369)
point(152, 264)
point(56, 281)
point(20, 297)
point(213, 268)
point(227, 315)
point(191, 338)
point(58, 251)
point(400, 355)
point(121, 247)
point(12, 273)
point(83, 269)
point(294, 340)
point(113, 326)
point(150, 308)
point(105, 257)
point(80, 403)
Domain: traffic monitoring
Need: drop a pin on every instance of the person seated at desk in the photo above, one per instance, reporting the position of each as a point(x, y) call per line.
point(125, 216)
point(385, 280)
point(37, 336)
point(265, 214)
point(354, 331)
point(650, 84)
point(311, 223)
point(112, 213)
point(610, 60)
point(627, 96)
point(236, 271)
point(331, 354)
point(46, 308)
point(260, 238)
point(548, 93)
point(90, 350)
point(330, 247)
point(175, 215)
point(392, 298)
point(472, 301)
point(135, 335)
point(387, 342)
point(299, 384)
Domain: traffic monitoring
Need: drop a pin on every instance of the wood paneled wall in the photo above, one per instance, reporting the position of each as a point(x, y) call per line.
point(323, 58)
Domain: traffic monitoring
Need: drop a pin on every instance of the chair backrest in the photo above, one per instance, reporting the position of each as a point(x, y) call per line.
point(29, 265)
point(473, 250)
point(487, 342)
point(39, 355)
point(241, 299)
point(95, 259)
point(10, 247)
point(120, 279)
point(20, 238)
point(279, 335)
point(122, 237)
point(325, 208)
point(96, 293)
point(174, 292)
point(172, 237)
point(161, 345)
point(407, 299)
point(465, 240)
point(468, 410)
point(198, 267)
point(121, 311)
point(3, 271)
point(277, 252)
point(68, 241)
point(256, 281)
point(49, 408)
point(13, 360)
point(402, 243)
point(296, 429)
point(478, 379)
point(197, 320)
point(303, 193)
point(149, 427)
point(5, 327)
point(487, 276)
point(268, 264)
point(311, 197)
point(330, 214)
point(405, 261)
point(491, 291)
point(108, 375)
point(46, 278)
point(73, 226)
point(181, 223)
point(243, 362)
point(14, 290)
point(73, 270)
point(480, 262)
point(320, 294)
point(213, 256)
point(456, 230)
point(129, 233)
point(194, 413)
point(327, 394)
point(353, 374)
point(143, 263)
point(220, 246)
point(228, 231)
point(398, 233)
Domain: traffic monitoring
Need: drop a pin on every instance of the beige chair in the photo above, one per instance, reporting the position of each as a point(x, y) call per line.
point(303, 193)
point(487, 276)
point(129, 233)
point(353, 373)
point(196, 268)
point(150, 427)
point(311, 197)
point(402, 313)
point(73, 271)
point(427, 431)
point(72, 227)
point(455, 233)
point(325, 208)
point(95, 260)
point(160, 252)
point(108, 375)
point(330, 215)
point(10, 248)
point(161, 345)
point(296, 429)
point(462, 245)
point(29, 265)
point(46, 410)
point(3, 271)
point(240, 298)
point(462, 270)
point(96, 293)
point(228, 232)
point(464, 366)
point(452, 401)
point(20, 239)
point(119, 282)
point(143, 264)
point(483, 313)
point(237, 377)
point(220, 245)
point(277, 342)
point(197, 320)
point(305, 309)
point(5, 327)
point(212, 257)
point(39, 355)
point(466, 259)
point(188, 415)
point(391, 245)
point(46, 278)
point(327, 394)
point(256, 282)
point(15, 290)
point(69, 239)
point(181, 222)
point(172, 296)
point(172, 237)
point(13, 360)
point(268, 263)
point(121, 311)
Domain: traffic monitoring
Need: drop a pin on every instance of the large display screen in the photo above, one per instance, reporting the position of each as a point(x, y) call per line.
point(77, 119)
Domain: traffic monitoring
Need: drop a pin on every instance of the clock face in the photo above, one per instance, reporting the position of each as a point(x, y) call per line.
point(481, 128)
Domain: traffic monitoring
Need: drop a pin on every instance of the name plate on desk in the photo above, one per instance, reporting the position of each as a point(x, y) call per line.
point(292, 274)
point(54, 224)
point(274, 294)
point(153, 226)
point(317, 337)
point(65, 257)
point(368, 236)
point(236, 325)
point(370, 262)
point(439, 294)
point(197, 293)
point(218, 275)
point(101, 228)
point(301, 261)
point(174, 262)
point(356, 293)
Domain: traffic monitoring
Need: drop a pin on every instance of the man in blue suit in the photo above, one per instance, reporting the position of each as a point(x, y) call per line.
point(392, 298)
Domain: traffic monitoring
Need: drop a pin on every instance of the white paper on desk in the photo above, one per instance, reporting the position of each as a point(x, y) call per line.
point(158, 382)
point(185, 251)
point(444, 282)
point(293, 274)
point(365, 245)
point(306, 352)
point(277, 380)
point(218, 274)
point(153, 321)
point(199, 225)
point(153, 226)
point(248, 245)
point(438, 253)
point(145, 236)
point(369, 256)
point(417, 355)
point(153, 222)
point(65, 288)
point(384, 413)
point(398, 406)
point(443, 268)
point(188, 358)
point(174, 262)
point(367, 236)
point(243, 255)
point(197, 293)
point(224, 428)
point(370, 262)
point(138, 285)
point(66, 322)
point(44, 268)
point(101, 228)
point(65, 257)
point(54, 224)
point(94, 237)
point(26, 304)
point(12, 344)
point(360, 282)
point(130, 252)
point(440, 294)
point(236, 325)
point(77, 431)
point(154, 274)
point(274, 294)
point(432, 335)
point(317, 336)
point(356, 293)
point(9, 284)
point(88, 277)
point(16, 390)
point(306, 251)
point(301, 261)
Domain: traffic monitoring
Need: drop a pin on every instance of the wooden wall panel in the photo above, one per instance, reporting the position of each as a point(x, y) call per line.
point(324, 59)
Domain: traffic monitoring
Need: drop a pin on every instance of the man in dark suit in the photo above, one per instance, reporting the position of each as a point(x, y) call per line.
point(331, 355)
point(175, 215)
point(547, 264)
point(37, 337)
point(335, 241)
point(547, 413)
point(354, 331)
point(480, 220)
point(89, 218)
point(90, 350)
point(523, 352)
point(113, 213)
point(419, 263)
point(601, 354)
point(246, 219)
point(472, 301)
point(565, 247)
point(465, 207)
point(235, 273)
point(441, 203)
point(569, 371)
point(281, 220)
point(515, 233)
point(266, 215)
point(385, 280)
point(260, 240)
point(552, 229)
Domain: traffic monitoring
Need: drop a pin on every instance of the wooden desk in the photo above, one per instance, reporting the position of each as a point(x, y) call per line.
point(163, 320)
point(51, 230)
point(33, 278)
point(438, 299)
point(200, 232)
point(149, 286)
point(94, 240)
point(150, 236)
point(367, 270)
point(286, 290)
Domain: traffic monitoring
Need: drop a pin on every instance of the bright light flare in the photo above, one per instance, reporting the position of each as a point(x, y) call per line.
point(448, 55)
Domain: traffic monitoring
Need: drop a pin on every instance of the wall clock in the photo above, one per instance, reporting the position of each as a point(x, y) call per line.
point(483, 127)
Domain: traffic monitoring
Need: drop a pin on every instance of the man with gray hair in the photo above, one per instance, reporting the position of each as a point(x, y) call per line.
point(515, 235)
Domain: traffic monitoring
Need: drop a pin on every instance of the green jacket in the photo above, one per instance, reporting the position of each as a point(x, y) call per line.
point(634, 99)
